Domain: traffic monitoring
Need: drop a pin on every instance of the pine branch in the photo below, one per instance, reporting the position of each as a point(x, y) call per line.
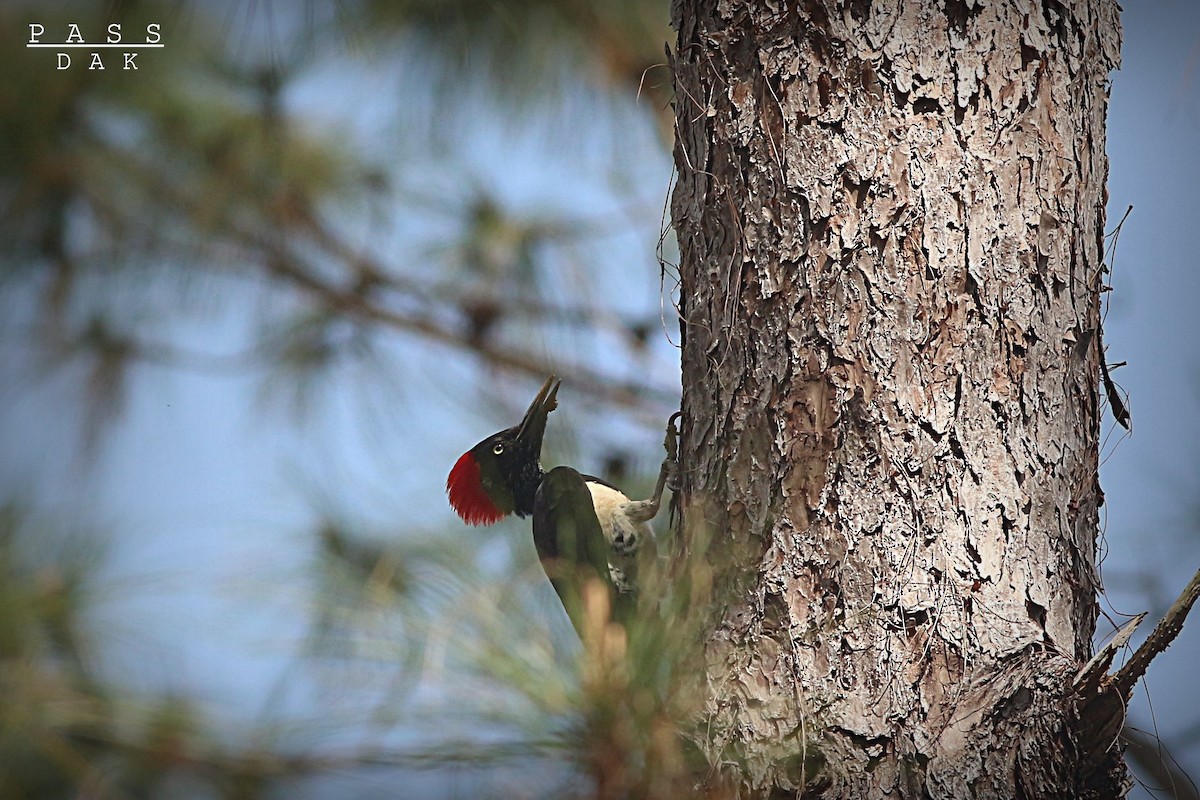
point(1124, 679)
point(283, 256)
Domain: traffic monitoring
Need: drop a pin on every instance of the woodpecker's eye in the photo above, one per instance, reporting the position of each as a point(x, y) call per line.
point(499, 448)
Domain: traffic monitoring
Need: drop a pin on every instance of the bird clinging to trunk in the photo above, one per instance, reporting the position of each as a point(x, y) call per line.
point(584, 529)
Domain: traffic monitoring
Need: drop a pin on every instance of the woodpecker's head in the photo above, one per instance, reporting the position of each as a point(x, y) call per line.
point(500, 475)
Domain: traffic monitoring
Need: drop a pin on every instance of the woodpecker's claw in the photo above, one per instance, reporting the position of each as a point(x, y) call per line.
point(670, 464)
point(671, 440)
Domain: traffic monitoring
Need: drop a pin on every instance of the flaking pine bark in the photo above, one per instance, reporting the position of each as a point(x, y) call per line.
point(891, 224)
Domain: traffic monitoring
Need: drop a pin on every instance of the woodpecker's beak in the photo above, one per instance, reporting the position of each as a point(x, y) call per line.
point(533, 426)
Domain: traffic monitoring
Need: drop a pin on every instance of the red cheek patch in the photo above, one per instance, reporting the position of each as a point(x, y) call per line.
point(467, 497)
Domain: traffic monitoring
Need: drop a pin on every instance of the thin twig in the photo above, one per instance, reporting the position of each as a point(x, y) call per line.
point(1155, 764)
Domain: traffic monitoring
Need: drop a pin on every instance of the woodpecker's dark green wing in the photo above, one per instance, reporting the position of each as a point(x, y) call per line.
point(570, 542)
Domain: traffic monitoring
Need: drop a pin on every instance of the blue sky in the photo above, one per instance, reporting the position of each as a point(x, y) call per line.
point(1152, 479)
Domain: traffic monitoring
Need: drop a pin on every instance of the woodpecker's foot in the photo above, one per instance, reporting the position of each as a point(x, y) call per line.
point(639, 511)
point(645, 510)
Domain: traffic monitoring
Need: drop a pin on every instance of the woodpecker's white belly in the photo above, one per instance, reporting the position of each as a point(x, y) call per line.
point(623, 534)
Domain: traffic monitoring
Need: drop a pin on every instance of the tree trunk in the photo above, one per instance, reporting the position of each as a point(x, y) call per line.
point(891, 218)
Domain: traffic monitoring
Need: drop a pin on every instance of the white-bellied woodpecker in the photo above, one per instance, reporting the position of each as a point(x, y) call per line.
point(583, 527)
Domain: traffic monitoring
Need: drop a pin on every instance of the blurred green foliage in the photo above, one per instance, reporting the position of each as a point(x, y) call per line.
point(133, 203)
